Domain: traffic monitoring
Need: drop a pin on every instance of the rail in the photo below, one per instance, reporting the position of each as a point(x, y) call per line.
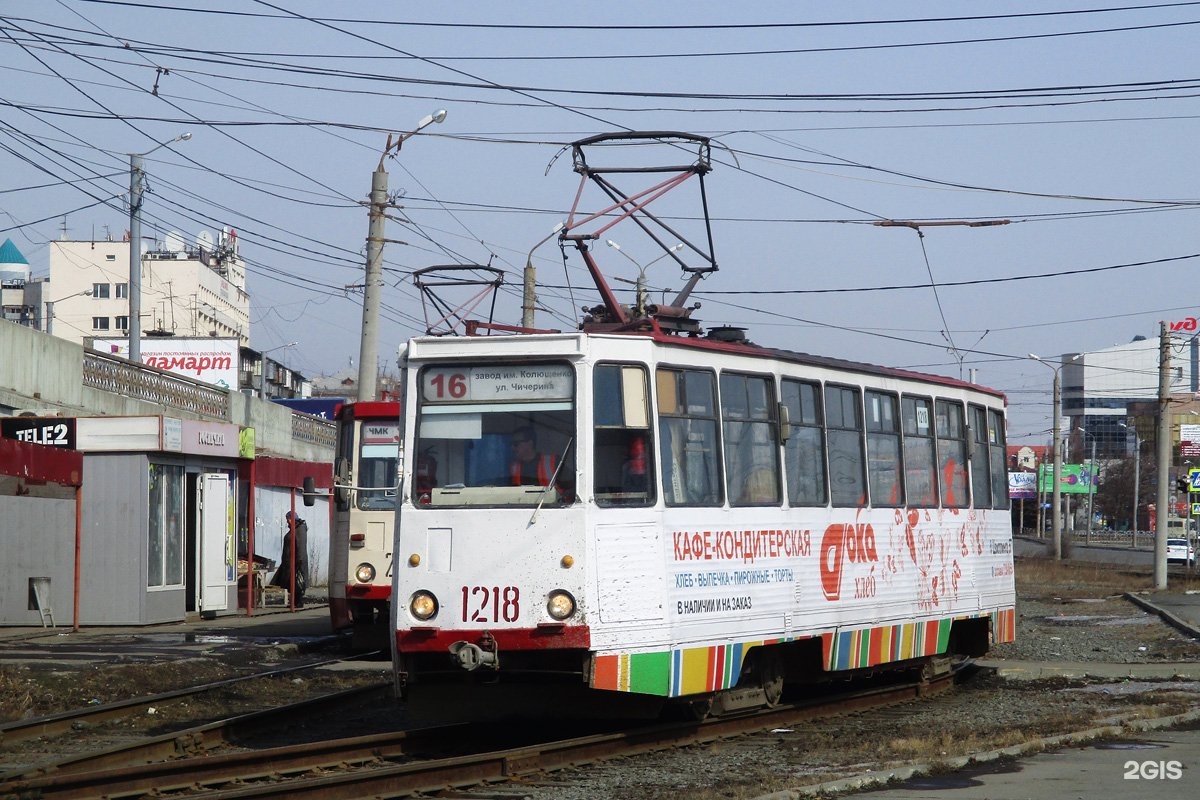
point(376, 765)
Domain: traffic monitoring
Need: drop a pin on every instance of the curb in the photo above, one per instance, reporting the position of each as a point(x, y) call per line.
point(1171, 619)
point(879, 778)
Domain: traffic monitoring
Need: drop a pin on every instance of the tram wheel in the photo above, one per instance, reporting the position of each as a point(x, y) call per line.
point(699, 708)
point(770, 676)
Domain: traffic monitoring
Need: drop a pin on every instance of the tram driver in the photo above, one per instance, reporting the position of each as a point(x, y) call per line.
point(528, 466)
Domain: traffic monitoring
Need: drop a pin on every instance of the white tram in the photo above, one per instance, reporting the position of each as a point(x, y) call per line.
point(361, 539)
point(705, 519)
point(722, 516)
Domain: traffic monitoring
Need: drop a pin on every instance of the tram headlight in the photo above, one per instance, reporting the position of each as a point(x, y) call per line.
point(423, 605)
point(560, 604)
point(364, 573)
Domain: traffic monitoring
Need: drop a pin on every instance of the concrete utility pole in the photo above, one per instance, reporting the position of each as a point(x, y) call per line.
point(137, 186)
point(136, 173)
point(529, 289)
point(368, 349)
point(1056, 491)
point(1163, 435)
point(1056, 487)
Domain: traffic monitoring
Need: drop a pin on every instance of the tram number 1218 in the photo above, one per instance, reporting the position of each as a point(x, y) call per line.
point(491, 604)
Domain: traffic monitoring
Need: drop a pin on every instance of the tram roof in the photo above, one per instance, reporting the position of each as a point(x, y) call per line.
point(742, 348)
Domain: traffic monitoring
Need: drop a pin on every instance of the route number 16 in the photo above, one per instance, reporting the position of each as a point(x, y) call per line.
point(449, 386)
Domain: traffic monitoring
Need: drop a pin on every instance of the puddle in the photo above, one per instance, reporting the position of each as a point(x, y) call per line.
point(1128, 746)
point(962, 779)
point(939, 782)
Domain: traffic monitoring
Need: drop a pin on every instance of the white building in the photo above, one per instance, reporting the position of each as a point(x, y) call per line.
point(1099, 387)
point(192, 290)
point(14, 275)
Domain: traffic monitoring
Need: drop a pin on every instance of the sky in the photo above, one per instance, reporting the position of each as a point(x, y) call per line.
point(1068, 127)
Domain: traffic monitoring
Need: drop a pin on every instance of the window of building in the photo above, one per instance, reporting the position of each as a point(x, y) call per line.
point(100, 291)
point(165, 544)
point(687, 422)
point(122, 323)
point(122, 290)
point(804, 452)
point(920, 461)
point(844, 434)
point(100, 323)
point(883, 449)
point(110, 257)
point(952, 453)
point(751, 452)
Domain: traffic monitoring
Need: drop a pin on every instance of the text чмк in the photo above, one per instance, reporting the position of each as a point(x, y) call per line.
point(744, 545)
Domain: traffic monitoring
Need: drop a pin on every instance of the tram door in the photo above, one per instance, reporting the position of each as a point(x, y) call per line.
point(214, 535)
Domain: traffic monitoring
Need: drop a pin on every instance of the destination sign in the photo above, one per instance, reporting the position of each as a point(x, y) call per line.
point(504, 383)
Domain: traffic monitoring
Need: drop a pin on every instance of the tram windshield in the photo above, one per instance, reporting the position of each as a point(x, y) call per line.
point(495, 435)
point(378, 451)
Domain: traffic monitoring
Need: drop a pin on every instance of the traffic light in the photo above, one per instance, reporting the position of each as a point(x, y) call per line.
point(1182, 484)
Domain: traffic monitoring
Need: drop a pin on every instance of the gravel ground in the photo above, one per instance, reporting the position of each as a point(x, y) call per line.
point(983, 714)
point(1109, 629)
point(1090, 621)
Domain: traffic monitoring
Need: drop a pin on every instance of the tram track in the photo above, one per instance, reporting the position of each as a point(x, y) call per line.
point(387, 765)
point(66, 721)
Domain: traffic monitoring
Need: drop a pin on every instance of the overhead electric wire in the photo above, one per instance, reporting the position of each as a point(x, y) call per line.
point(617, 26)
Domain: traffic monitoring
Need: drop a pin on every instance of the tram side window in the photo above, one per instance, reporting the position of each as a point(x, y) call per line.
point(341, 463)
point(751, 453)
point(624, 452)
point(981, 479)
point(952, 453)
point(920, 462)
point(996, 446)
point(844, 432)
point(687, 428)
point(883, 450)
point(804, 452)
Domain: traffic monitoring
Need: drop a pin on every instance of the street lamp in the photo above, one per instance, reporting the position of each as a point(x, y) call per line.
point(50, 308)
point(529, 296)
point(641, 281)
point(262, 367)
point(1056, 502)
point(1137, 478)
point(137, 178)
point(368, 349)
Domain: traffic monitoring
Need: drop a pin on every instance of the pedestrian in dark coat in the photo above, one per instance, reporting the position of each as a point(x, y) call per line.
point(297, 531)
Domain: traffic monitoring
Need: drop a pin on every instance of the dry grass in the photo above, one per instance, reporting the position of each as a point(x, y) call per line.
point(1044, 577)
point(16, 697)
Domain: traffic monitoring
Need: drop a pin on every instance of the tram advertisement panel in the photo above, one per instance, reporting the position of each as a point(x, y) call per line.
point(916, 561)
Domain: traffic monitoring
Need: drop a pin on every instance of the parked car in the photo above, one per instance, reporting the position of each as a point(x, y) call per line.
point(1180, 551)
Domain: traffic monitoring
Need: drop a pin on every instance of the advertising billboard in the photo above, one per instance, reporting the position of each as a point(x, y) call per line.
point(1022, 485)
point(1074, 479)
point(205, 359)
